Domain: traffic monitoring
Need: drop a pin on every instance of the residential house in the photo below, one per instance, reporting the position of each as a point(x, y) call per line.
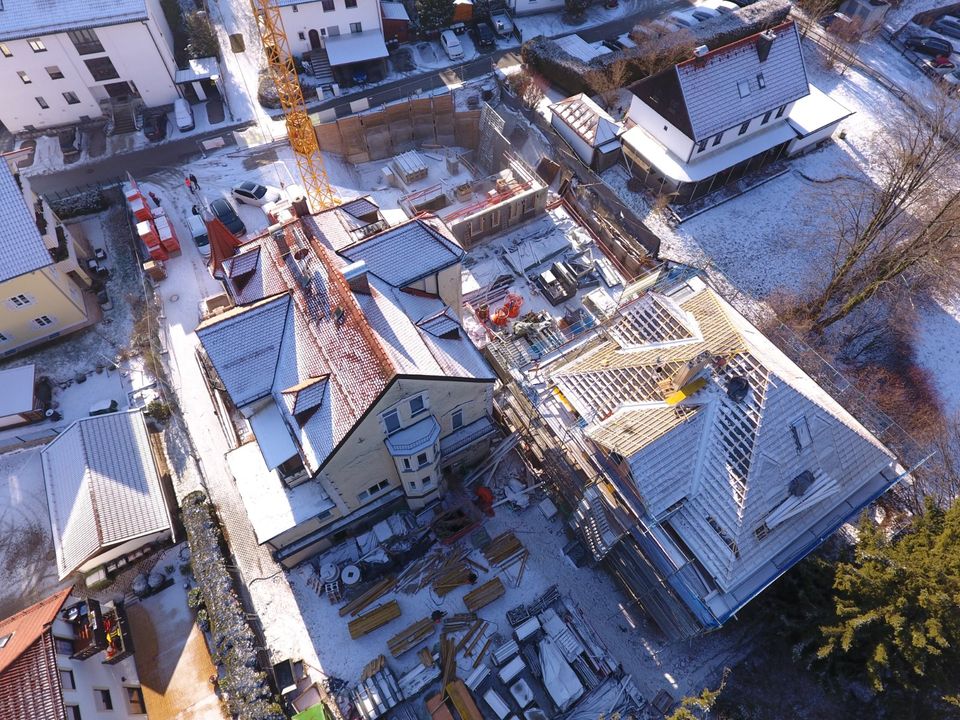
point(588, 129)
point(42, 274)
point(396, 21)
point(106, 500)
point(341, 41)
point(25, 397)
point(345, 365)
point(69, 659)
point(710, 120)
point(66, 61)
point(721, 463)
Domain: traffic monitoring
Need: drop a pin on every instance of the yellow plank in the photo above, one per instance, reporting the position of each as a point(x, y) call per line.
point(686, 391)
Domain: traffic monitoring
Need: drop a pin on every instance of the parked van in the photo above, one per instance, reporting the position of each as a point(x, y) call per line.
point(451, 45)
point(198, 231)
point(683, 19)
point(183, 114)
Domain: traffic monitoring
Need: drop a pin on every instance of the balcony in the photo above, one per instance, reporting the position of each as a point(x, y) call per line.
point(89, 634)
point(415, 438)
point(119, 639)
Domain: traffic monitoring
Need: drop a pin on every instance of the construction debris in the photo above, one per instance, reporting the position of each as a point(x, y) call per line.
point(441, 568)
point(448, 659)
point(458, 622)
point(357, 605)
point(376, 618)
point(484, 595)
point(375, 695)
point(373, 667)
point(410, 637)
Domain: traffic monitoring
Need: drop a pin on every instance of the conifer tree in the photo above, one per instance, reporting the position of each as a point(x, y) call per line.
point(434, 14)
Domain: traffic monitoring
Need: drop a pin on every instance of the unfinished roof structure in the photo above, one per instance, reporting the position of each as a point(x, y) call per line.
point(103, 488)
point(300, 328)
point(29, 679)
point(588, 120)
point(741, 463)
point(729, 85)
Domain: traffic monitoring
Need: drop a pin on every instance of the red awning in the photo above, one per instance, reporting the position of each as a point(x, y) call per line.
point(223, 244)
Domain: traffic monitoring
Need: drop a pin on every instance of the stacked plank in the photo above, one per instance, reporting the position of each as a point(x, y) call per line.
point(458, 622)
point(505, 551)
point(376, 618)
point(357, 605)
point(450, 577)
point(410, 637)
point(425, 571)
point(463, 701)
point(484, 595)
point(448, 659)
point(372, 668)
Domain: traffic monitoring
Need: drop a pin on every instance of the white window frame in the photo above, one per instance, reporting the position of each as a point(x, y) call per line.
point(20, 300)
point(425, 461)
point(423, 405)
point(48, 321)
point(99, 702)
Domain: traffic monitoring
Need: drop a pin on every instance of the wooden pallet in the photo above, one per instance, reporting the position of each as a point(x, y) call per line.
point(484, 595)
point(376, 618)
point(355, 606)
point(411, 636)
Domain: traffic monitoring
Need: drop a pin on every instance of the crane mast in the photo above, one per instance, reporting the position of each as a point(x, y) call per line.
point(300, 132)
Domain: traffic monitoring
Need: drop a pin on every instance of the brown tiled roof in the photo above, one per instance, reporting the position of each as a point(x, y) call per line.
point(27, 626)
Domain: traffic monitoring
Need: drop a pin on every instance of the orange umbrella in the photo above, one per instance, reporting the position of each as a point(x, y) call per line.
point(223, 244)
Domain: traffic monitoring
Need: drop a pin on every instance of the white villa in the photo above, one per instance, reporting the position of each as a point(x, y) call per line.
point(710, 120)
point(65, 61)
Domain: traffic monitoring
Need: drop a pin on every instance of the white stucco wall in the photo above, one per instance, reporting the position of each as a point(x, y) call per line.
point(92, 674)
point(660, 129)
point(307, 16)
point(138, 51)
point(579, 145)
point(731, 136)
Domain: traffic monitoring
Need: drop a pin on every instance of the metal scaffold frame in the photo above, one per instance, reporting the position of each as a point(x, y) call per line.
point(300, 132)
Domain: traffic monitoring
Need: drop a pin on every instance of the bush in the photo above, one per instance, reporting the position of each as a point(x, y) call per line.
point(201, 37)
point(434, 14)
point(244, 687)
point(194, 598)
point(158, 410)
point(82, 203)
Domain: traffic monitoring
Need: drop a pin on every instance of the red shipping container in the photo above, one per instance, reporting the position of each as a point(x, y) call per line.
point(168, 238)
point(148, 233)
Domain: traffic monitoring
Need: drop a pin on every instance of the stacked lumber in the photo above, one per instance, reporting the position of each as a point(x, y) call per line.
point(448, 659)
point(452, 576)
point(463, 701)
point(505, 551)
point(376, 592)
point(458, 622)
point(423, 572)
point(484, 595)
point(411, 636)
point(376, 618)
point(373, 667)
point(438, 708)
point(474, 629)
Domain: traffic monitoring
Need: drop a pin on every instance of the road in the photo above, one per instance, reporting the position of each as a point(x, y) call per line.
point(181, 152)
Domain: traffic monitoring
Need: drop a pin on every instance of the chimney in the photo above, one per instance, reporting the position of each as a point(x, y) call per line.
point(764, 43)
point(356, 276)
point(700, 50)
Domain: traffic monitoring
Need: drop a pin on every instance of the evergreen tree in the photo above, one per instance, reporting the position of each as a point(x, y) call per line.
point(434, 14)
point(576, 8)
point(897, 619)
point(202, 37)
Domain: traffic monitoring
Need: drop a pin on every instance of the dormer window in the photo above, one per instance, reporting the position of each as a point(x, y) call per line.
point(761, 83)
point(801, 434)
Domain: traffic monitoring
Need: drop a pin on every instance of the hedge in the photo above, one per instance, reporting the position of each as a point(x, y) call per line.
point(651, 55)
point(244, 687)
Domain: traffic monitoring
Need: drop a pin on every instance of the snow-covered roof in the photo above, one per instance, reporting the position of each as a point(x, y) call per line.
point(579, 48)
point(102, 487)
point(815, 112)
point(21, 246)
point(407, 252)
point(197, 69)
point(17, 395)
point(590, 121)
point(730, 85)
point(31, 18)
point(741, 479)
point(355, 47)
point(727, 156)
point(394, 11)
point(323, 352)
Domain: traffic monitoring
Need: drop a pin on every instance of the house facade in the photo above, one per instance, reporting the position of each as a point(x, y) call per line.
point(341, 41)
point(43, 278)
point(65, 62)
point(355, 384)
point(69, 659)
point(710, 120)
point(720, 463)
point(105, 496)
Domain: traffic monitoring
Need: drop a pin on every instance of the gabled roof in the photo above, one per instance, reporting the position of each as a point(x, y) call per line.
point(30, 18)
point(323, 352)
point(722, 468)
point(730, 85)
point(102, 487)
point(405, 253)
point(21, 246)
point(26, 627)
point(587, 119)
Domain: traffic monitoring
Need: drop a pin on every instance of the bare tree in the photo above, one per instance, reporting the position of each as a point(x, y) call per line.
point(907, 221)
point(608, 80)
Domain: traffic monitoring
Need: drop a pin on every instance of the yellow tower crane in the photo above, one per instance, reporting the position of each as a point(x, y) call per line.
point(300, 132)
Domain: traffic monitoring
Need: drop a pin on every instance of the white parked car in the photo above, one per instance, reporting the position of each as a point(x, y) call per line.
point(683, 18)
point(451, 45)
point(251, 193)
point(721, 6)
point(183, 114)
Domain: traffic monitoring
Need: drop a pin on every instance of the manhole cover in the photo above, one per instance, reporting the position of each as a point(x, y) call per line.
point(174, 298)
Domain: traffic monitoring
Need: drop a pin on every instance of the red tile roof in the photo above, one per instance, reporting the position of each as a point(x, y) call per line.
point(27, 626)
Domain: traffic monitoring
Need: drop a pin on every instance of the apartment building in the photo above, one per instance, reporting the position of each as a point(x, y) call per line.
point(69, 659)
point(66, 61)
point(43, 277)
point(344, 362)
point(340, 40)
